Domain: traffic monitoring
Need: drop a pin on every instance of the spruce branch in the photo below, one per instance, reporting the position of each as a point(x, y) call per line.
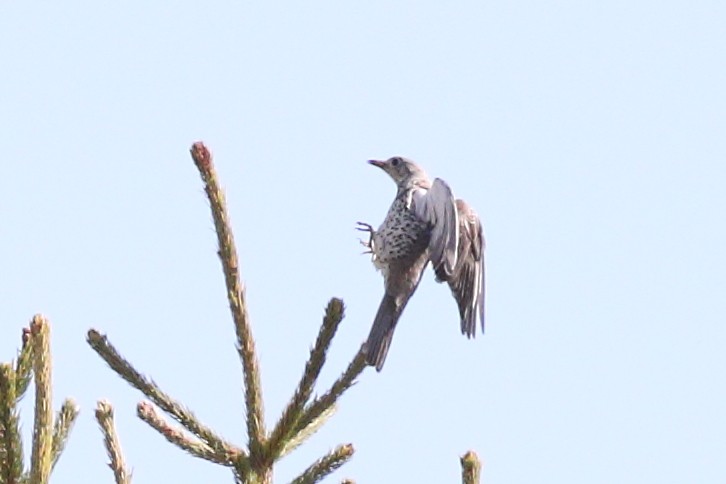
point(41, 458)
point(470, 468)
point(286, 428)
point(147, 413)
point(306, 432)
point(24, 366)
point(104, 417)
point(61, 429)
point(110, 355)
point(301, 417)
point(326, 465)
point(322, 403)
point(237, 303)
point(11, 446)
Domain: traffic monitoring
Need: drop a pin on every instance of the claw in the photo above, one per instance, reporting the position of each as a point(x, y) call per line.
point(364, 227)
point(367, 245)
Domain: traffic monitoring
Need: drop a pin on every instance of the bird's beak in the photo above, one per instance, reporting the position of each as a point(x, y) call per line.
point(379, 164)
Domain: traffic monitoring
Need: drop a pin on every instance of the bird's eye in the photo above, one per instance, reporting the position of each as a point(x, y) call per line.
point(395, 161)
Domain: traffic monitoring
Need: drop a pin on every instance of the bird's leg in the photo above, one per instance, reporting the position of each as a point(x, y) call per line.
point(364, 227)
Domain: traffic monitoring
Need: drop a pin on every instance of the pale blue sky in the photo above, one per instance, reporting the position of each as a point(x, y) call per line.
point(588, 135)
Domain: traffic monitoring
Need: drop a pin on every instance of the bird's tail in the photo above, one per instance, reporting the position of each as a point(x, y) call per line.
point(379, 339)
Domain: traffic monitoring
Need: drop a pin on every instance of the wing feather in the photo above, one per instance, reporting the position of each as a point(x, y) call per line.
point(437, 207)
point(467, 283)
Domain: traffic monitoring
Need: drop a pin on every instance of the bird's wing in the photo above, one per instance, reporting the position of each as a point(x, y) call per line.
point(437, 207)
point(467, 281)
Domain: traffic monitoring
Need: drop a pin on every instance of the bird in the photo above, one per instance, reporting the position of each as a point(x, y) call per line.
point(425, 224)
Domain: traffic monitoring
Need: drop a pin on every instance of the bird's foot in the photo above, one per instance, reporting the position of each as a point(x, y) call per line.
point(364, 227)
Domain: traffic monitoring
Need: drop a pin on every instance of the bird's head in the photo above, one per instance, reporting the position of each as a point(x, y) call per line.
point(402, 170)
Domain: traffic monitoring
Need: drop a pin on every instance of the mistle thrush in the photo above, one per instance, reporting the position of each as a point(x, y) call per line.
point(424, 224)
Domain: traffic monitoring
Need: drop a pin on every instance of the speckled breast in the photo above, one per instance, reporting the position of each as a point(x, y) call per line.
point(401, 235)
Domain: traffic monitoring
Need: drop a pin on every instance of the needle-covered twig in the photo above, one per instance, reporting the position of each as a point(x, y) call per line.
point(237, 303)
point(286, 428)
point(147, 413)
point(470, 468)
point(104, 417)
point(41, 460)
point(106, 350)
point(326, 465)
point(11, 446)
point(62, 427)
